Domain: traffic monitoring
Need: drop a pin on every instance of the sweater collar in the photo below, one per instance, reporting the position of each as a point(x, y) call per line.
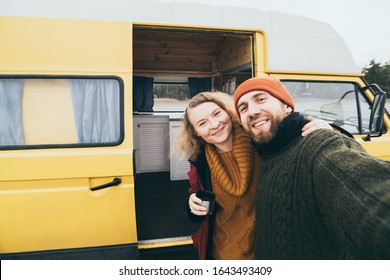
point(241, 158)
point(289, 130)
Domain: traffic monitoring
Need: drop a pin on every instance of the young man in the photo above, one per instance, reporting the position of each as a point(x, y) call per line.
point(318, 197)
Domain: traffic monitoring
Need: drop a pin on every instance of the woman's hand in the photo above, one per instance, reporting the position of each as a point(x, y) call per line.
point(313, 125)
point(196, 207)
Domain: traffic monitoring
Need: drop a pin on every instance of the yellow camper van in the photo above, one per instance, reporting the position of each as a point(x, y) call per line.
point(90, 102)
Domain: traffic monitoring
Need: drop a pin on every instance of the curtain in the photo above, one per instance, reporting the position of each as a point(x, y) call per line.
point(198, 85)
point(96, 108)
point(143, 100)
point(11, 122)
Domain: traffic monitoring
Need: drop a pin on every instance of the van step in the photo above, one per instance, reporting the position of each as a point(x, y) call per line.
point(164, 242)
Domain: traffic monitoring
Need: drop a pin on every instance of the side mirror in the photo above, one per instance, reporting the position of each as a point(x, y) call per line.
point(377, 112)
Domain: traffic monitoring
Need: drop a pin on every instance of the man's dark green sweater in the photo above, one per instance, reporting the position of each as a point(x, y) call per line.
point(321, 197)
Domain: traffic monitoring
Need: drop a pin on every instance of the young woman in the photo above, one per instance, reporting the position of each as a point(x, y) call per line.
point(224, 162)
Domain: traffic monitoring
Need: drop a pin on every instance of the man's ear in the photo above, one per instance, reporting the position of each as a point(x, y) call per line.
point(287, 109)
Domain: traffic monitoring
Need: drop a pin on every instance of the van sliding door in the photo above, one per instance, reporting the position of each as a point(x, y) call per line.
point(66, 185)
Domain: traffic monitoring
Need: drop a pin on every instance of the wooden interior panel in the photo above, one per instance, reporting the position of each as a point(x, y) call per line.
point(161, 52)
point(233, 53)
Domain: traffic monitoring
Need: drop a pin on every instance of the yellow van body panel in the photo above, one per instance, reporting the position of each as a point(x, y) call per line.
point(46, 202)
point(64, 213)
point(64, 45)
point(64, 164)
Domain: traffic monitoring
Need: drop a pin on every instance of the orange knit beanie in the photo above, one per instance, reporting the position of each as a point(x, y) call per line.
point(269, 84)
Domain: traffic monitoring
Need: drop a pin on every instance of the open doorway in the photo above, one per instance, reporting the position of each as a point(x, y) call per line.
point(169, 67)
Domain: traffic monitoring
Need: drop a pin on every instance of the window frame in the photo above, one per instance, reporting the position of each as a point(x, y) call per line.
point(74, 145)
point(171, 83)
point(358, 91)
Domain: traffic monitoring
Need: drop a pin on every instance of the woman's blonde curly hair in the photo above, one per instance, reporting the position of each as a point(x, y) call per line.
point(188, 143)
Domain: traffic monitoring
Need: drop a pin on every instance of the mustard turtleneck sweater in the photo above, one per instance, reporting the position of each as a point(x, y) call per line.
point(234, 176)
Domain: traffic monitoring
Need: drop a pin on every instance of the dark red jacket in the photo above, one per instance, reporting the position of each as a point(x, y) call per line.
point(199, 176)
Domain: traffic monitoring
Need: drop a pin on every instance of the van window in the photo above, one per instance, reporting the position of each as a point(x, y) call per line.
point(59, 111)
point(170, 96)
point(341, 103)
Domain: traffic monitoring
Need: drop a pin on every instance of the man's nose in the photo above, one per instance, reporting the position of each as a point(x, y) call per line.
point(253, 109)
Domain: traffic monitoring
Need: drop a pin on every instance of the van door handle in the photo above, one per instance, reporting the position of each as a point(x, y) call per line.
point(114, 182)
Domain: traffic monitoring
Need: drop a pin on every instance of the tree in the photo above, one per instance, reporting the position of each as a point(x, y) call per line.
point(378, 74)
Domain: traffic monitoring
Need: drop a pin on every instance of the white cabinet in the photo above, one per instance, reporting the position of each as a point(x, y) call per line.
point(152, 137)
point(179, 166)
point(151, 143)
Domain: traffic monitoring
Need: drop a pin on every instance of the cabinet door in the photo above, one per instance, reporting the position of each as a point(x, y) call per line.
point(179, 166)
point(153, 150)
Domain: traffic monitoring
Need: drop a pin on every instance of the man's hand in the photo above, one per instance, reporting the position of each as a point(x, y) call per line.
point(313, 125)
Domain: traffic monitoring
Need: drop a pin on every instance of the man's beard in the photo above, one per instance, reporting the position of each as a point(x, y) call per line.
point(265, 137)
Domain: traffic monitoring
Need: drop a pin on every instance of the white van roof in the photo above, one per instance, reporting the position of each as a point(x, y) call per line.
point(294, 43)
